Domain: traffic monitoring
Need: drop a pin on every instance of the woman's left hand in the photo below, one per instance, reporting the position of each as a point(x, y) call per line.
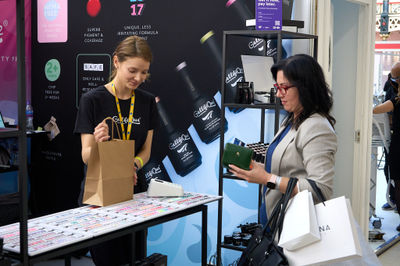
point(256, 174)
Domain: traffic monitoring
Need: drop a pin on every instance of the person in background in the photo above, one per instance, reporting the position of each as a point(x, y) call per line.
point(393, 105)
point(134, 110)
point(391, 90)
point(306, 143)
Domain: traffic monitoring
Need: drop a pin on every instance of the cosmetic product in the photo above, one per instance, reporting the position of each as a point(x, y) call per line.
point(182, 151)
point(206, 113)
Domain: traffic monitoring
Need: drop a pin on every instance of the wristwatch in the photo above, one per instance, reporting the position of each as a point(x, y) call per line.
point(273, 182)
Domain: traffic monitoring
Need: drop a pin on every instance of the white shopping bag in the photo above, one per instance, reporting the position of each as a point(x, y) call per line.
point(300, 227)
point(339, 239)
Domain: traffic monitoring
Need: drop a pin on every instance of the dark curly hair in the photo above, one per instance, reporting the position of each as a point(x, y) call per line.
point(304, 72)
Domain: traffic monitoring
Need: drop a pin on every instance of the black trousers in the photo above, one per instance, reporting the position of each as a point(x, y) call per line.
point(118, 251)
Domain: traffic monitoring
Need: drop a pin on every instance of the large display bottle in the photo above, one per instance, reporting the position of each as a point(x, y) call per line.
point(233, 71)
point(154, 169)
point(206, 112)
point(182, 151)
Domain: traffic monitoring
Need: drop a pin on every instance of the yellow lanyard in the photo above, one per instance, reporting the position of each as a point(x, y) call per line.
point(128, 133)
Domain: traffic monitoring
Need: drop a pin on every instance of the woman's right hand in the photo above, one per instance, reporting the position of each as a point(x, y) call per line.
point(101, 132)
point(256, 174)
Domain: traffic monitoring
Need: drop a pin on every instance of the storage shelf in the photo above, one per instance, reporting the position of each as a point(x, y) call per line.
point(228, 37)
point(231, 176)
point(9, 132)
point(230, 246)
point(11, 168)
point(271, 34)
point(255, 106)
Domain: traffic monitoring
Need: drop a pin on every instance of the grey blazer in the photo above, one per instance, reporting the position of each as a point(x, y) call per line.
point(305, 153)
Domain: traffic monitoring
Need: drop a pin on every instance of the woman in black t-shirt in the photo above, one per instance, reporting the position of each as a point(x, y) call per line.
point(118, 99)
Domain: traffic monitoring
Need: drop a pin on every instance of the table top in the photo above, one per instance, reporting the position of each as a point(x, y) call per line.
point(71, 226)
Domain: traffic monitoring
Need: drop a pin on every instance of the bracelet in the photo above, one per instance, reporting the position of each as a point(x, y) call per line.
point(278, 182)
point(140, 160)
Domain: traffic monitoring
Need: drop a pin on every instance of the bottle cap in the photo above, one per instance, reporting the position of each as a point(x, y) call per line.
point(181, 65)
point(206, 36)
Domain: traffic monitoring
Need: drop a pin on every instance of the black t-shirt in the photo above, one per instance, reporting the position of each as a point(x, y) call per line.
point(99, 103)
point(396, 116)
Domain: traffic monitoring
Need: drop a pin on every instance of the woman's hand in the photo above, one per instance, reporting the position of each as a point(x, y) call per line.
point(101, 132)
point(256, 174)
point(135, 178)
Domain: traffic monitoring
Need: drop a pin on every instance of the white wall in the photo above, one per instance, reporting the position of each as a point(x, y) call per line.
point(345, 32)
point(302, 11)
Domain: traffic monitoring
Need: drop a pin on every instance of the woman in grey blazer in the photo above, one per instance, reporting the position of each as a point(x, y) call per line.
point(305, 145)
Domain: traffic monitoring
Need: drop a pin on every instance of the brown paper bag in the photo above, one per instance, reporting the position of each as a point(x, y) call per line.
point(109, 176)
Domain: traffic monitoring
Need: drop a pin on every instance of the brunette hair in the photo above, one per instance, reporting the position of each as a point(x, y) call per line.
point(304, 73)
point(132, 46)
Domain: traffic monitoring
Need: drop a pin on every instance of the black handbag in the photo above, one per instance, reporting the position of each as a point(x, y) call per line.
point(262, 249)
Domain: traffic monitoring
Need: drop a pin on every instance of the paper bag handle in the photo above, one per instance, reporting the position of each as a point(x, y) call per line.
point(112, 127)
point(317, 190)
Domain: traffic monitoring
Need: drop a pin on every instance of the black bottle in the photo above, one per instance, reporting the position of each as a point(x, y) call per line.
point(234, 70)
point(206, 112)
point(154, 169)
point(182, 151)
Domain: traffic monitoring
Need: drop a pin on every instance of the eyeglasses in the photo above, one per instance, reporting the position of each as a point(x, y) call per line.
point(282, 89)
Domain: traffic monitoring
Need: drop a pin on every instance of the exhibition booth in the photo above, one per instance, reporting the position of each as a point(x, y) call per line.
point(203, 55)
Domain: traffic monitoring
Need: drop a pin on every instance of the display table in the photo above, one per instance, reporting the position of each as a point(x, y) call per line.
point(64, 232)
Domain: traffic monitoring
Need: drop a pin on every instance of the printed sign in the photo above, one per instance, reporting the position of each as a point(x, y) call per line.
point(92, 70)
point(52, 21)
point(268, 14)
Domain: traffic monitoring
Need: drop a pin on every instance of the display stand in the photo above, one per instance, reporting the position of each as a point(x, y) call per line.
point(64, 232)
point(20, 133)
point(227, 38)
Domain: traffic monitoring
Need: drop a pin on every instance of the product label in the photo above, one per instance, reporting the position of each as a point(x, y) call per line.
point(258, 45)
point(181, 146)
point(207, 117)
point(153, 172)
point(178, 142)
point(234, 76)
point(204, 109)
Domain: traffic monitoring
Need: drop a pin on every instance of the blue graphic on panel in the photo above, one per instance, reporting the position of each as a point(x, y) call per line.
point(159, 239)
point(193, 250)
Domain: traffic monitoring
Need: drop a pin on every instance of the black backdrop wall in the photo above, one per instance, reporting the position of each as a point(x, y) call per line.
point(173, 29)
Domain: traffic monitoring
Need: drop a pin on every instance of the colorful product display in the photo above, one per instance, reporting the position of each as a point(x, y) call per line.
point(64, 228)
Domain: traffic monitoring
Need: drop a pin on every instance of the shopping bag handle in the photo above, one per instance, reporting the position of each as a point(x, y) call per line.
point(275, 222)
point(317, 190)
point(112, 127)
